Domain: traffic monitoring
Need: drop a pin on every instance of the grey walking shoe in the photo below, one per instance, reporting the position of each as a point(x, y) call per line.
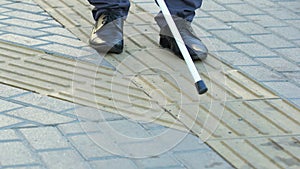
point(107, 34)
point(196, 48)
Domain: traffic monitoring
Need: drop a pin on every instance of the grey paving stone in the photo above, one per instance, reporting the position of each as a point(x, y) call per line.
point(255, 50)
point(22, 40)
point(149, 7)
point(88, 148)
point(281, 13)
point(3, 2)
point(164, 161)
point(15, 153)
point(279, 64)
point(266, 20)
point(272, 41)
point(143, 148)
point(210, 23)
point(23, 23)
point(34, 166)
point(289, 33)
point(71, 128)
point(236, 59)
point(189, 143)
point(27, 15)
point(20, 5)
point(244, 9)
point(261, 74)
point(285, 89)
point(67, 159)
point(2, 16)
point(290, 53)
point(249, 28)
point(3, 10)
point(177, 167)
point(291, 5)
point(201, 14)
point(295, 23)
point(58, 31)
point(296, 102)
point(231, 36)
point(201, 33)
point(6, 121)
point(45, 138)
point(106, 139)
point(8, 135)
point(229, 1)
point(45, 102)
point(127, 128)
point(92, 114)
point(22, 31)
point(6, 105)
point(216, 45)
point(297, 42)
point(212, 6)
point(262, 4)
point(79, 128)
point(40, 116)
point(114, 164)
point(63, 40)
point(202, 159)
point(152, 126)
point(29, 2)
point(51, 22)
point(295, 76)
point(176, 140)
point(228, 16)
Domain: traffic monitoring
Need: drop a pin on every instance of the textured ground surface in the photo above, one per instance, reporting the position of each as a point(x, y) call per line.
point(244, 122)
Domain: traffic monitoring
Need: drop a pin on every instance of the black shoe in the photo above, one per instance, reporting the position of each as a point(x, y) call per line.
point(107, 34)
point(196, 48)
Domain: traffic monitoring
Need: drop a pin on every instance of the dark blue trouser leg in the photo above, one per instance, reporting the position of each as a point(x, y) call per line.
point(120, 6)
point(181, 8)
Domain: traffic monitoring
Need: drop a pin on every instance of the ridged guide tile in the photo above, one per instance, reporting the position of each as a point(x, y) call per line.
point(81, 82)
point(274, 152)
point(237, 117)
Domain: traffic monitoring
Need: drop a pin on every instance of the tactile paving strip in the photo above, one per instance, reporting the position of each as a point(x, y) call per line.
point(247, 124)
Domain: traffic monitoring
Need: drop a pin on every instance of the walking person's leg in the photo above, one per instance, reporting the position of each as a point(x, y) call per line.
point(107, 34)
point(120, 6)
point(183, 12)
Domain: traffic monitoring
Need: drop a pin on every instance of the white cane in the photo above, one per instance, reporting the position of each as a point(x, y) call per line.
point(200, 85)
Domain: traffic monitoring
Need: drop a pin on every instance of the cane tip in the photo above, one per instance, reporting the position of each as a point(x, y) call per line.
point(201, 87)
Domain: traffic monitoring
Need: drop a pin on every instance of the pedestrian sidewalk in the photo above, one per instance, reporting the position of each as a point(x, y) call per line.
point(38, 131)
point(140, 109)
point(259, 38)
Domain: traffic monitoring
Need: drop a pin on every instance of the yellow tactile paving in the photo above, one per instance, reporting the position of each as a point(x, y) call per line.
point(57, 76)
point(271, 152)
point(244, 122)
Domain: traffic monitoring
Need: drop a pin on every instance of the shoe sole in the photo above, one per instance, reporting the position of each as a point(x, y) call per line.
point(170, 43)
point(117, 49)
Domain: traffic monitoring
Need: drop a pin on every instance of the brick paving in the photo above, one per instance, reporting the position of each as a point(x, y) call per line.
point(265, 33)
point(260, 38)
point(41, 132)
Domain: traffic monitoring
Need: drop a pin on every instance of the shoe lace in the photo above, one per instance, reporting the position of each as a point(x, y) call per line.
point(109, 16)
point(105, 18)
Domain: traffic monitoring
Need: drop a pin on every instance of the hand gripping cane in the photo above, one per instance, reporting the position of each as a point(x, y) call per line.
point(200, 85)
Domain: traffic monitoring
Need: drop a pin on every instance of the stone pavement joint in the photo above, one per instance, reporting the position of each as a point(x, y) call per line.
point(245, 123)
point(45, 145)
